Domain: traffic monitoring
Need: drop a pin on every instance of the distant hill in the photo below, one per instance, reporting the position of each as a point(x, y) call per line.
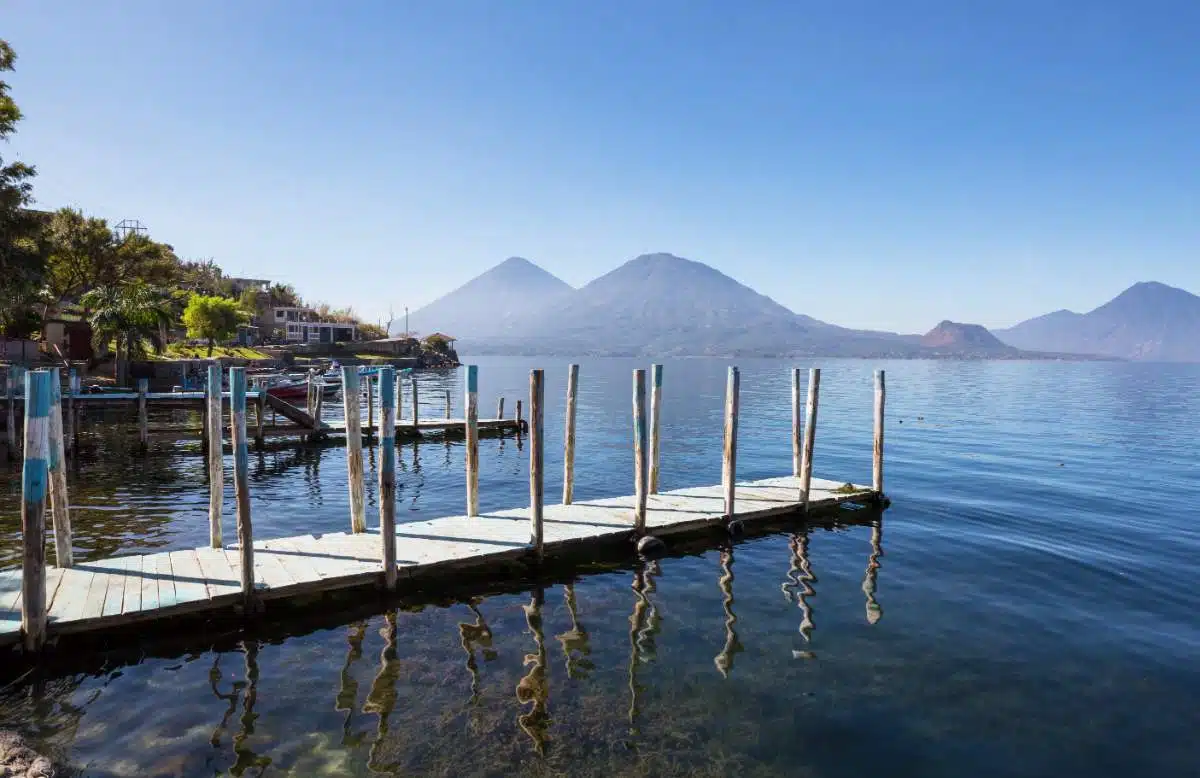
point(962, 337)
point(661, 304)
point(491, 303)
point(1148, 321)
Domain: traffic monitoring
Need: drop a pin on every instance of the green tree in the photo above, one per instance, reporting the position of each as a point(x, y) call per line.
point(249, 301)
point(21, 258)
point(284, 296)
point(212, 318)
point(126, 317)
point(82, 252)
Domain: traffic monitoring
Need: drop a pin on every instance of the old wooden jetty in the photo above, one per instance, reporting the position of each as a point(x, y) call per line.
point(244, 576)
point(296, 421)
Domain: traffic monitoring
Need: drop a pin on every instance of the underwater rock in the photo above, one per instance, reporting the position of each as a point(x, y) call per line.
point(18, 760)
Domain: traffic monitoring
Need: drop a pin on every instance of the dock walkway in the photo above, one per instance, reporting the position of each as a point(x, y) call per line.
point(124, 590)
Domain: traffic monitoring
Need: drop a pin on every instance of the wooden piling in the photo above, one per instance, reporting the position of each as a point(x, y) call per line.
point(351, 395)
point(310, 386)
point(241, 481)
point(370, 381)
point(569, 435)
point(10, 391)
point(387, 473)
point(448, 404)
point(416, 403)
point(877, 465)
point(810, 433)
point(260, 407)
point(639, 450)
point(519, 416)
point(472, 434)
point(537, 392)
point(60, 512)
point(216, 472)
point(318, 405)
point(143, 386)
point(656, 374)
point(729, 459)
point(34, 482)
point(500, 408)
point(797, 424)
point(73, 411)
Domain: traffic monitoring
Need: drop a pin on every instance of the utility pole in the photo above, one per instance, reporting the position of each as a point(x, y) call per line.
point(406, 330)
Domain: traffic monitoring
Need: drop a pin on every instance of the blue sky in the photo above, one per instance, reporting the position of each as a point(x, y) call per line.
point(872, 164)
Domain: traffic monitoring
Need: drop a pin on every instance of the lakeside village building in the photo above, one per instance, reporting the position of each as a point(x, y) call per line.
point(288, 324)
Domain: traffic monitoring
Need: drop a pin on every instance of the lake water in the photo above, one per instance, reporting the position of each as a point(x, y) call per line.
point(1026, 607)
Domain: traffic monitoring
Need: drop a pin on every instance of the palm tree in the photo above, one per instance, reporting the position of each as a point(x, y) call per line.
point(127, 316)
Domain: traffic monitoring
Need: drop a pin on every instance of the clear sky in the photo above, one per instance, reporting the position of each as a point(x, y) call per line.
point(872, 164)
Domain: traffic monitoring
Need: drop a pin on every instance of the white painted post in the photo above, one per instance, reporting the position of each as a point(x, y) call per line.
point(472, 433)
point(416, 402)
point(387, 473)
point(569, 435)
point(60, 511)
point(69, 414)
point(797, 425)
point(810, 433)
point(877, 465)
point(351, 395)
point(729, 461)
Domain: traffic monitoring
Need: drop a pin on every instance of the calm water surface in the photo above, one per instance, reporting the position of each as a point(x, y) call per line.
point(1026, 607)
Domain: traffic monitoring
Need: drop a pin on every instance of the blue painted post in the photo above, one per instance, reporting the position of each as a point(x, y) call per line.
point(143, 386)
point(34, 486)
point(656, 375)
point(60, 512)
point(639, 450)
point(241, 481)
point(387, 472)
point(216, 454)
point(351, 398)
point(472, 425)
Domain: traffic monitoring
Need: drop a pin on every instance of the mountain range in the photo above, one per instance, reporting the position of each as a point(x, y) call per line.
point(664, 305)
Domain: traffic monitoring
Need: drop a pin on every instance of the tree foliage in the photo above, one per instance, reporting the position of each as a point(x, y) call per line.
point(21, 260)
point(126, 317)
point(83, 253)
point(211, 318)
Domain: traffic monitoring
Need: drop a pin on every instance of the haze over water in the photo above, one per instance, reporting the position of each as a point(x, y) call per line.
point(1026, 607)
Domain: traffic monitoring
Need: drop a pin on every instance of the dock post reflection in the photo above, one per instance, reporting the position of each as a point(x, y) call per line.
point(724, 659)
point(798, 587)
point(874, 609)
point(347, 694)
point(533, 689)
point(471, 636)
point(575, 642)
point(246, 758)
point(643, 626)
point(381, 698)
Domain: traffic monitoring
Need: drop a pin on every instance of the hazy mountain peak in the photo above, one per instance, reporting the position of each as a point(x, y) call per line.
point(1149, 320)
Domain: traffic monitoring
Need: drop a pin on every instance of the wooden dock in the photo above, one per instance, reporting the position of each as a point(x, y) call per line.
point(126, 590)
point(39, 603)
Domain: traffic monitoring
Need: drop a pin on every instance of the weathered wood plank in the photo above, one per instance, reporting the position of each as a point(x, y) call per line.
point(114, 596)
point(150, 581)
point(188, 577)
point(220, 578)
point(810, 434)
point(568, 434)
point(131, 599)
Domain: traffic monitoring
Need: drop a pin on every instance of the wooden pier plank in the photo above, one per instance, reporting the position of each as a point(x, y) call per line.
point(115, 591)
point(188, 577)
